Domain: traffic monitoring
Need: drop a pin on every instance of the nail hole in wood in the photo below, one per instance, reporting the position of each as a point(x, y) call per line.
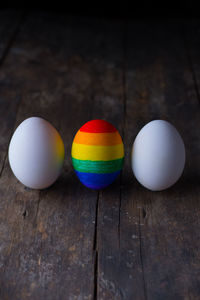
point(144, 213)
point(24, 214)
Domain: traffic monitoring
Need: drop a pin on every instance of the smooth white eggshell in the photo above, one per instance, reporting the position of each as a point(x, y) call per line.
point(36, 153)
point(158, 155)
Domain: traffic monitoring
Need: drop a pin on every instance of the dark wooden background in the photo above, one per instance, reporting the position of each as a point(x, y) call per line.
point(125, 242)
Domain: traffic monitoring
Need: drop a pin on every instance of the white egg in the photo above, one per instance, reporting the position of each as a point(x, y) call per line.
point(36, 153)
point(158, 155)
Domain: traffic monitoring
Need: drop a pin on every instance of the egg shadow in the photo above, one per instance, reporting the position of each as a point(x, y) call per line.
point(186, 188)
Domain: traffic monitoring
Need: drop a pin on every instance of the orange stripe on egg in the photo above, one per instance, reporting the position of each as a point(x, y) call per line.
point(100, 139)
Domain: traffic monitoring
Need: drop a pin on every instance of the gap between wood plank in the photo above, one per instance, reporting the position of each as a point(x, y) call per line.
point(37, 209)
point(13, 36)
point(6, 154)
point(3, 165)
point(124, 69)
point(119, 217)
point(95, 294)
point(2, 59)
point(95, 249)
point(123, 135)
point(189, 58)
point(141, 257)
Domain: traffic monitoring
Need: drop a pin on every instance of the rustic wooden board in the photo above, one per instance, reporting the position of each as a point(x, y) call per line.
point(160, 82)
point(149, 245)
point(9, 27)
point(68, 242)
point(10, 22)
point(48, 237)
point(191, 33)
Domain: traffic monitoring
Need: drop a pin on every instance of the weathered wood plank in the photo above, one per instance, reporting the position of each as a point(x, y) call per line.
point(109, 105)
point(48, 236)
point(113, 256)
point(191, 33)
point(9, 26)
point(148, 242)
point(166, 224)
point(125, 242)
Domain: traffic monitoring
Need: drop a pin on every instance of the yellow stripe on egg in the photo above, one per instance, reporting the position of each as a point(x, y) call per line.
point(88, 152)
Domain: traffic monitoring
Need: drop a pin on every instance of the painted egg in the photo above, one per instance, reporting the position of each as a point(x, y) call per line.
point(36, 153)
point(158, 155)
point(97, 154)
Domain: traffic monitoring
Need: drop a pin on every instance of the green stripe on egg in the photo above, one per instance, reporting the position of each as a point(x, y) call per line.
point(98, 167)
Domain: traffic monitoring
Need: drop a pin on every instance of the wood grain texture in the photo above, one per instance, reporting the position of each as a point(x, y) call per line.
point(160, 82)
point(10, 22)
point(48, 236)
point(125, 242)
point(191, 34)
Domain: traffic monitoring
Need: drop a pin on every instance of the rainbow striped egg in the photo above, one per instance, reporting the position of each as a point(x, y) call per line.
point(97, 154)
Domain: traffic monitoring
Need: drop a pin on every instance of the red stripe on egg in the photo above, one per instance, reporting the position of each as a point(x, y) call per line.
point(98, 126)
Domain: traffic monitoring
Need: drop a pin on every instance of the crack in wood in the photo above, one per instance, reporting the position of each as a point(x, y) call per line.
point(96, 223)
point(124, 71)
point(190, 63)
point(95, 249)
point(95, 276)
point(141, 257)
point(2, 59)
point(12, 38)
point(3, 164)
point(6, 154)
point(144, 214)
point(119, 215)
point(124, 117)
point(37, 208)
point(24, 214)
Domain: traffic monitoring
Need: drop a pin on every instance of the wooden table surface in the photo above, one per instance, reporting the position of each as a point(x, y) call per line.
point(124, 242)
